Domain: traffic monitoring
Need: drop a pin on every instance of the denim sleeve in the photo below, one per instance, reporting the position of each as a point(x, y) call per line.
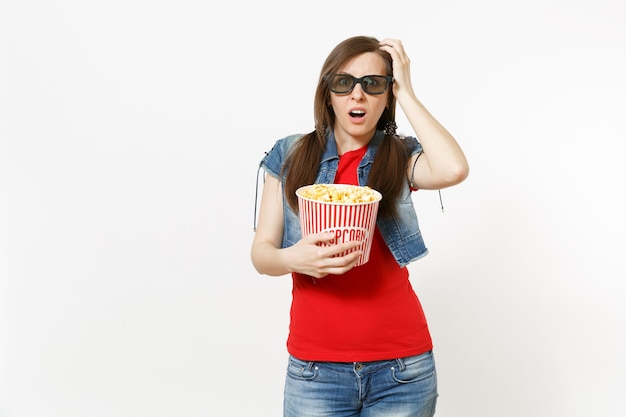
point(273, 161)
point(413, 145)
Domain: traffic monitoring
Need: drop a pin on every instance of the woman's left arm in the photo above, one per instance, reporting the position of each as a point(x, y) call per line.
point(443, 163)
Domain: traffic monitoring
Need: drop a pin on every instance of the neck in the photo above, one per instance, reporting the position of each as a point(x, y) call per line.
point(347, 143)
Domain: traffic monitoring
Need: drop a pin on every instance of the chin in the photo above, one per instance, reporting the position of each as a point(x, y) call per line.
point(358, 130)
point(361, 131)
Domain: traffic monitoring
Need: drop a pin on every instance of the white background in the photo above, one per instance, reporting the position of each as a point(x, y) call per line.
point(130, 136)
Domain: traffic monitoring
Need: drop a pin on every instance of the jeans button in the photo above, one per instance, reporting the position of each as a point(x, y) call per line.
point(358, 366)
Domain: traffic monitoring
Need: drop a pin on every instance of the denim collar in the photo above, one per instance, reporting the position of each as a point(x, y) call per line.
point(331, 152)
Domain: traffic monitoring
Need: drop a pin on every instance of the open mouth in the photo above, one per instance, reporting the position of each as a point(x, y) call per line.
point(357, 113)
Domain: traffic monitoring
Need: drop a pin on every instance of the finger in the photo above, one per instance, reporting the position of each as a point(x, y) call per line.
point(394, 45)
point(322, 237)
point(338, 249)
point(389, 41)
point(341, 264)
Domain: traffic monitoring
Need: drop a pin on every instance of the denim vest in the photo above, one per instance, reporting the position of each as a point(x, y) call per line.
point(401, 232)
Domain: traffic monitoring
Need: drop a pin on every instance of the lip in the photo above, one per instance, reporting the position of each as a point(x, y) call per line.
point(357, 120)
point(357, 109)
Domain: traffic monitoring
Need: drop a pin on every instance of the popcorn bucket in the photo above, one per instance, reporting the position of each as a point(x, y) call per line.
point(341, 210)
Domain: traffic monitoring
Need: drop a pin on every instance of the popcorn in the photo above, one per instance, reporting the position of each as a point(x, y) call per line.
point(339, 193)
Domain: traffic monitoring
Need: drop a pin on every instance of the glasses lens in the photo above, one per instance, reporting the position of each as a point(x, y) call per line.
point(374, 84)
point(342, 84)
point(371, 84)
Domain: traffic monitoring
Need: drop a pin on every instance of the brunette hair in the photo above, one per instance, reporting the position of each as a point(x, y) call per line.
point(389, 168)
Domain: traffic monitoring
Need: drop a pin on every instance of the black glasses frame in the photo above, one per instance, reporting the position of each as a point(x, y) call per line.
point(388, 81)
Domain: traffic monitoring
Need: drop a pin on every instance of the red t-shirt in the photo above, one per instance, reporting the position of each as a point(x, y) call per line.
point(369, 313)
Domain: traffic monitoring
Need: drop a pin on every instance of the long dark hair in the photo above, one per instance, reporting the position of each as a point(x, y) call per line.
point(389, 168)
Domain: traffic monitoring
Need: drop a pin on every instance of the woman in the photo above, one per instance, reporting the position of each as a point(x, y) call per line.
point(358, 340)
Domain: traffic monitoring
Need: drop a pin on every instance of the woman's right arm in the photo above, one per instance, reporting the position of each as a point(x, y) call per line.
point(306, 256)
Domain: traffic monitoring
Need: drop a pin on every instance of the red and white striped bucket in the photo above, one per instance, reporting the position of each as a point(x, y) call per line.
point(348, 221)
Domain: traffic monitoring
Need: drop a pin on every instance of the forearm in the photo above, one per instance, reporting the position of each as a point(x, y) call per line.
point(267, 259)
point(446, 161)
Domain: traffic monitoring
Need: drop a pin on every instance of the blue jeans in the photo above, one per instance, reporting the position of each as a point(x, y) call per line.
point(405, 387)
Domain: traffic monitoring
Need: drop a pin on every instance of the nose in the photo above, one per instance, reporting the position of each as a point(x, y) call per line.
point(357, 91)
